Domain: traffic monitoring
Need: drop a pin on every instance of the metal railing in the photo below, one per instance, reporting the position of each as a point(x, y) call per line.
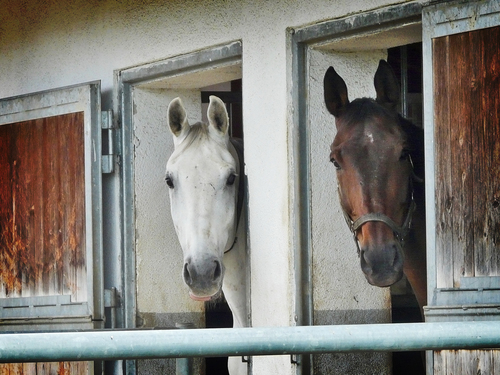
point(182, 343)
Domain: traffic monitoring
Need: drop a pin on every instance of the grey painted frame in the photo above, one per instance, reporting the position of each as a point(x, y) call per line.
point(85, 98)
point(125, 80)
point(301, 40)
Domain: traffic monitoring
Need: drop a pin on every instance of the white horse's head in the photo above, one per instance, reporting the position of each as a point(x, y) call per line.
point(202, 176)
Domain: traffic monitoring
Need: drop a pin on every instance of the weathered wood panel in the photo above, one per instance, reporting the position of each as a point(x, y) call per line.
point(42, 208)
point(42, 218)
point(466, 362)
point(50, 368)
point(444, 220)
point(486, 137)
point(467, 133)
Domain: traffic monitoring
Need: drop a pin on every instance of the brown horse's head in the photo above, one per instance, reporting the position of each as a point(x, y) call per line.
point(371, 152)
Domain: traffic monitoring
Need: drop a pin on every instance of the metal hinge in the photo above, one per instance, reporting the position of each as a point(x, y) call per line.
point(108, 146)
point(111, 297)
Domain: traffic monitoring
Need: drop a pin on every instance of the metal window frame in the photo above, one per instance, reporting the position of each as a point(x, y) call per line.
point(301, 41)
point(125, 81)
point(50, 311)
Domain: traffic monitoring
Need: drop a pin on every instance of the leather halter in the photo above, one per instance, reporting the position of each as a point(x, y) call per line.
point(400, 232)
point(241, 189)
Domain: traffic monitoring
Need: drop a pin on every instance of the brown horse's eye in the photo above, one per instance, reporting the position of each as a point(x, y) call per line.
point(170, 182)
point(335, 163)
point(231, 179)
point(405, 153)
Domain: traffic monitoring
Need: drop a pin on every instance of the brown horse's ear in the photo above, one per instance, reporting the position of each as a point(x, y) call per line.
point(387, 86)
point(335, 92)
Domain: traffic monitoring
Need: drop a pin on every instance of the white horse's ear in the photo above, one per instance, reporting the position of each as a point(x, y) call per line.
point(177, 118)
point(217, 115)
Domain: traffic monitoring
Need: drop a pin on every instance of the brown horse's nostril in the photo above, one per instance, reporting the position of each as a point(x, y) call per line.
point(399, 257)
point(366, 263)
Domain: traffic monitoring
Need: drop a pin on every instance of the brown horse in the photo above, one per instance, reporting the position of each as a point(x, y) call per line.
point(379, 160)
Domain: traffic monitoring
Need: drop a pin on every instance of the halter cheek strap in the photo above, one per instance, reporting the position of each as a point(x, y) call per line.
point(241, 190)
point(400, 232)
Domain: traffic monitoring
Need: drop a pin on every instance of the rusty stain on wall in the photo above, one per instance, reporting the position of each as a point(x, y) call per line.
point(42, 207)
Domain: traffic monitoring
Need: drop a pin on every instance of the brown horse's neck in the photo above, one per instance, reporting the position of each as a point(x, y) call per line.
point(415, 267)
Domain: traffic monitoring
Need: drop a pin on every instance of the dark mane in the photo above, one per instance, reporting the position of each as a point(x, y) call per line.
point(361, 109)
point(364, 108)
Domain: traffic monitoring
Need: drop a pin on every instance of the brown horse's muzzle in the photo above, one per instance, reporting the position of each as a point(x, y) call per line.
point(382, 264)
point(380, 245)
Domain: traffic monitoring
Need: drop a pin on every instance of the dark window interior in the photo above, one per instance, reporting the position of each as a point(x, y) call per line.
point(406, 61)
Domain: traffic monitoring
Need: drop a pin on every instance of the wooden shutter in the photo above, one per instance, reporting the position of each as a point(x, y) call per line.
point(42, 208)
point(461, 49)
point(467, 136)
point(463, 70)
point(50, 216)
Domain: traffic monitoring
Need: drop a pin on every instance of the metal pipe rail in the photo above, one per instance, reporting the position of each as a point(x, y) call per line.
point(142, 344)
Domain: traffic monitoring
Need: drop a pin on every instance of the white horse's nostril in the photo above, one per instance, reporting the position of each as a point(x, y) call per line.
point(187, 276)
point(196, 275)
point(217, 271)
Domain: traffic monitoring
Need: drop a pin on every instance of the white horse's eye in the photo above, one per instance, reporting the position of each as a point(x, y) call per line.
point(170, 182)
point(231, 179)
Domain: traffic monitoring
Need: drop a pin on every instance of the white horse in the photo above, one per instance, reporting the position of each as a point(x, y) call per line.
point(205, 180)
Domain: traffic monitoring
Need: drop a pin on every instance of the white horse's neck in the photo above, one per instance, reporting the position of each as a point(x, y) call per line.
point(235, 288)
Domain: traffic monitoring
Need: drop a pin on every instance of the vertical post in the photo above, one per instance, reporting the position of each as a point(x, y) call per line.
point(184, 366)
point(301, 198)
point(404, 80)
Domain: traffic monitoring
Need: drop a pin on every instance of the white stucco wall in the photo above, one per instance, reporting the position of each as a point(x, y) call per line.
point(44, 45)
point(159, 260)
